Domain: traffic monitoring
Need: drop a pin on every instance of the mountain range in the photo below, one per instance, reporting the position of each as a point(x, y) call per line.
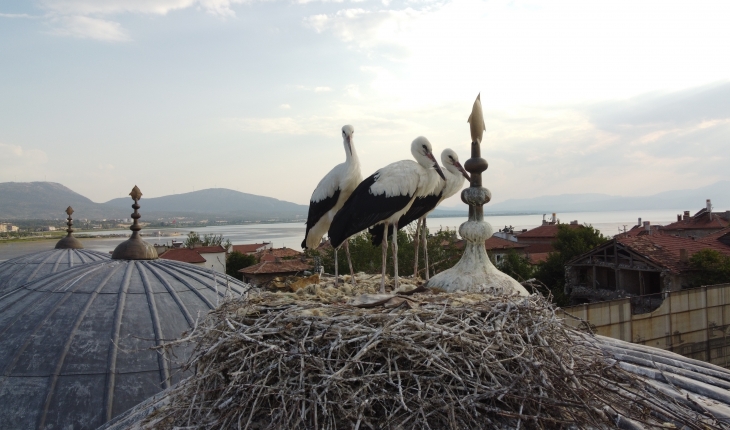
point(48, 200)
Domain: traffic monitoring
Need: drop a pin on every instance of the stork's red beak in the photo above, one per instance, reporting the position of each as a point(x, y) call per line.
point(463, 172)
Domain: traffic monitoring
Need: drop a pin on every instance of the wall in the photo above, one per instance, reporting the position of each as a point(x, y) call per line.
point(215, 261)
point(694, 323)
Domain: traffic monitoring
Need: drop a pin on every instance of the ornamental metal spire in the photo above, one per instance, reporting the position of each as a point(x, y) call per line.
point(135, 248)
point(475, 272)
point(69, 242)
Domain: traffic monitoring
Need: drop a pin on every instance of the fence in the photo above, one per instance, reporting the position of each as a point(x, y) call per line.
point(694, 323)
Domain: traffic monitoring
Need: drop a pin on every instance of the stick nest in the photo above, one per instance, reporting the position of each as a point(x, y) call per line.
point(434, 361)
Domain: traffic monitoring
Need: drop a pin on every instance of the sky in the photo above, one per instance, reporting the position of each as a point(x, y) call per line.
point(616, 97)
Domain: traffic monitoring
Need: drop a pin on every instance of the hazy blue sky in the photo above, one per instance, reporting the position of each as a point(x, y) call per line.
point(617, 97)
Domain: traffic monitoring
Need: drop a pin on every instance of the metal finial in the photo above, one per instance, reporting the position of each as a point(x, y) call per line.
point(135, 248)
point(69, 242)
point(475, 272)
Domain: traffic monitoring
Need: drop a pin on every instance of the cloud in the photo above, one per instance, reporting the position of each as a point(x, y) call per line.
point(83, 27)
point(17, 163)
point(284, 106)
point(320, 89)
point(156, 7)
point(19, 15)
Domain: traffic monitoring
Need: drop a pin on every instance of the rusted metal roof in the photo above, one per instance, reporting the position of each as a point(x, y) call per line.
point(20, 270)
point(75, 346)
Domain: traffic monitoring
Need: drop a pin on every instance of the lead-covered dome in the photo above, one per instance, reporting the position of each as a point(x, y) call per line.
point(78, 347)
point(68, 253)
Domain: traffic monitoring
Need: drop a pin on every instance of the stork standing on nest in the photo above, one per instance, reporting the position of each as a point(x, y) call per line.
point(385, 196)
point(329, 196)
point(422, 206)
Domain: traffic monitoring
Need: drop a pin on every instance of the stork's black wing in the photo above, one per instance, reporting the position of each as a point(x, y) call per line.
point(317, 210)
point(363, 210)
point(420, 207)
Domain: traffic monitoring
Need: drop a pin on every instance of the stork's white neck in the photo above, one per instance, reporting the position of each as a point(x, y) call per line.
point(454, 181)
point(350, 152)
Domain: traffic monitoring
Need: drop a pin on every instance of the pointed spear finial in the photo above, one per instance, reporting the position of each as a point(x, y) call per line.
point(69, 242)
point(135, 248)
point(476, 121)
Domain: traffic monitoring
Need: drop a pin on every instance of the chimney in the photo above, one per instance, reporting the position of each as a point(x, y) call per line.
point(647, 225)
point(543, 219)
point(553, 221)
point(686, 215)
point(639, 224)
point(679, 217)
point(709, 205)
point(683, 255)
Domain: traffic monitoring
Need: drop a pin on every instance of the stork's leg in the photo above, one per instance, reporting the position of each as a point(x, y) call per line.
point(395, 255)
point(425, 249)
point(416, 242)
point(336, 274)
point(384, 245)
point(349, 261)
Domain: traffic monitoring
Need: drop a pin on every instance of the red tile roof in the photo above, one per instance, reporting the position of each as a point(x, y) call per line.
point(183, 254)
point(664, 250)
point(249, 247)
point(544, 231)
point(494, 243)
point(209, 249)
point(272, 267)
point(537, 257)
point(699, 221)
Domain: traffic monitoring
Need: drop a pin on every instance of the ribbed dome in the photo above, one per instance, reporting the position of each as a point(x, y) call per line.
point(75, 346)
point(20, 270)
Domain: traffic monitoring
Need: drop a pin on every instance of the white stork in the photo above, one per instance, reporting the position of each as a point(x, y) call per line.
point(422, 206)
point(385, 196)
point(329, 196)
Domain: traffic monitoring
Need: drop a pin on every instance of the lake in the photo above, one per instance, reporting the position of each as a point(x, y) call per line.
point(291, 234)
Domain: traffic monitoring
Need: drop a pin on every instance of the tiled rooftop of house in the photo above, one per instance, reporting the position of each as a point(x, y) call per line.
point(249, 247)
point(210, 249)
point(185, 255)
point(544, 231)
point(281, 266)
point(699, 221)
point(664, 249)
point(280, 252)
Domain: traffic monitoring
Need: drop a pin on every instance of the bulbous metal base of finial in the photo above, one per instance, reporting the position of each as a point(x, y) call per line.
point(69, 242)
point(475, 272)
point(134, 248)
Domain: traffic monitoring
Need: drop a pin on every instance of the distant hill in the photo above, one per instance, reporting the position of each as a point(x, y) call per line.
point(691, 200)
point(219, 202)
point(49, 200)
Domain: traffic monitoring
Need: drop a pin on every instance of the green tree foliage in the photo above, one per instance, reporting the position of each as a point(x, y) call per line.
point(570, 243)
point(194, 239)
point(442, 254)
point(517, 266)
point(236, 261)
point(710, 267)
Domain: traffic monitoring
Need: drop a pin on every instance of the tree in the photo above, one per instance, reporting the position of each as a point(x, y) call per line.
point(194, 240)
point(517, 266)
point(570, 243)
point(709, 267)
point(236, 261)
